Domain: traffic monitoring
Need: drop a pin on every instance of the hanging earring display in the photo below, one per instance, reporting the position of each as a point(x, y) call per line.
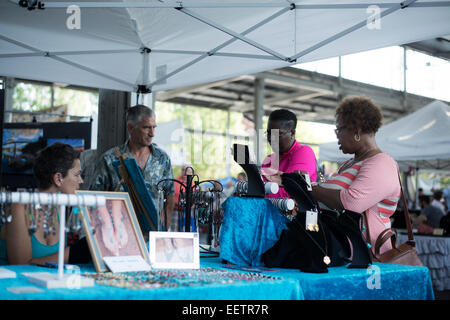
point(2, 213)
point(217, 215)
point(198, 209)
point(160, 206)
point(32, 225)
point(74, 223)
point(49, 221)
point(38, 215)
point(5, 216)
point(45, 221)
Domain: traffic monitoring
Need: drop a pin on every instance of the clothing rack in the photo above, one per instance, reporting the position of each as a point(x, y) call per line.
point(54, 199)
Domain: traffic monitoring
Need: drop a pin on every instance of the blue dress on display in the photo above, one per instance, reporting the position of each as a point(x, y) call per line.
point(250, 227)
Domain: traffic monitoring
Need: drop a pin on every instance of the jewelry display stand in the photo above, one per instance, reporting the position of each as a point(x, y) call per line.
point(47, 279)
point(192, 200)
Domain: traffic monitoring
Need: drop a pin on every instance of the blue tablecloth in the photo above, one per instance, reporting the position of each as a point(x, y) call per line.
point(253, 225)
point(282, 289)
point(250, 227)
point(380, 282)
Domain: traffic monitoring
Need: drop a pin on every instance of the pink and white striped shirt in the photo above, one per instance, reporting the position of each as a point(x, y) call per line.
point(373, 185)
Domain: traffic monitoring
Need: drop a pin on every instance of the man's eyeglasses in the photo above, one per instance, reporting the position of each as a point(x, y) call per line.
point(338, 130)
point(268, 133)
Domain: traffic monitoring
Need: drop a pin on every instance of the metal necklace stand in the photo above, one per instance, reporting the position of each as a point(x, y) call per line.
point(192, 198)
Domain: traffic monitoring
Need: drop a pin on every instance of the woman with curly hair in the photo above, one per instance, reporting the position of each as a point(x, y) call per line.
point(25, 240)
point(369, 181)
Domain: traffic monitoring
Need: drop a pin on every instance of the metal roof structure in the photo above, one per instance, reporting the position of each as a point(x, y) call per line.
point(437, 47)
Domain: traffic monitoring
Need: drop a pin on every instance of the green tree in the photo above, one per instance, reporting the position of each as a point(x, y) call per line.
point(206, 153)
point(36, 98)
point(30, 97)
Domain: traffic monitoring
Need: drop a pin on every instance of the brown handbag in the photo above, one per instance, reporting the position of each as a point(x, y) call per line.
point(405, 253)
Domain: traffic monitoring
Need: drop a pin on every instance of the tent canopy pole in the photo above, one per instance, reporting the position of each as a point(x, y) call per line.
point(357, 26)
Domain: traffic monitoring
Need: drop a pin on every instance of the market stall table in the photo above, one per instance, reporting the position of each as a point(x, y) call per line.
point(225, 285)
point(380, 282)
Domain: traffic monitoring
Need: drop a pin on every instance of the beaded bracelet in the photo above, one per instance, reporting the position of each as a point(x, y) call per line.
point(176, 278)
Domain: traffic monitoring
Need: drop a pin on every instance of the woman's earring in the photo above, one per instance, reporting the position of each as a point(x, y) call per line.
point(357, 137)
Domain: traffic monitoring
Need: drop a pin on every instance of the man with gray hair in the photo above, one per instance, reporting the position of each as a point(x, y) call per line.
point(154, 163)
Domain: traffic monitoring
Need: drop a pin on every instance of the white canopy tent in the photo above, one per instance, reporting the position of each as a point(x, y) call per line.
point(150, 46)
point(420, 139)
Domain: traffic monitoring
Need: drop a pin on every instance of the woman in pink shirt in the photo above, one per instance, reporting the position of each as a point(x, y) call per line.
point(288, 155)
point(251, 226)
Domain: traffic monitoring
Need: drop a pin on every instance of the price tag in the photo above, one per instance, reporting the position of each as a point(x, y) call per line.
point(311, 221)
point(126, 264)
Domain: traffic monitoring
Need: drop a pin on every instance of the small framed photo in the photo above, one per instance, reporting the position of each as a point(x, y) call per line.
point(174, 250)
point(112, 230)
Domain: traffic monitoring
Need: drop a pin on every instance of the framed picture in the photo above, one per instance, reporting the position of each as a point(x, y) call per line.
point(174, 250)
point(112, 230)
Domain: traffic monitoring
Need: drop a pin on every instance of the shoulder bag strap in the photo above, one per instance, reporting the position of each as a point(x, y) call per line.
point(366, 225)
point(407, 218)
point(384, 236)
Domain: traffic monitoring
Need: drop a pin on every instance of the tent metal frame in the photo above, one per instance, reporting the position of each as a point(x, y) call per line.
point(145, 87)
point(206, 5)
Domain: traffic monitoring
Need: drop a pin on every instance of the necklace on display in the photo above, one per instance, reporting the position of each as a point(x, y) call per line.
point(326, 258)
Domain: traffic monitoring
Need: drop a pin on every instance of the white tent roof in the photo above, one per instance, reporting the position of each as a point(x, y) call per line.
point(420, 139)
point(193, 42)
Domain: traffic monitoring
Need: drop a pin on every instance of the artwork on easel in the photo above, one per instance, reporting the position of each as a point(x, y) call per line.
point(134, 183)
point(112, 230)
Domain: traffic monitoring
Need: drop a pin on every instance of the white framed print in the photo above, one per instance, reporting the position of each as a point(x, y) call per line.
point(174, 250)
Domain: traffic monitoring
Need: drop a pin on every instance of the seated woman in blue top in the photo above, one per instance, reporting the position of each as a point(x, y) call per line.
point(57, 170)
